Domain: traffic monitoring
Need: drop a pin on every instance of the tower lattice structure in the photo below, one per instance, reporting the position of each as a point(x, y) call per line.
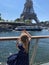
point(28, 11)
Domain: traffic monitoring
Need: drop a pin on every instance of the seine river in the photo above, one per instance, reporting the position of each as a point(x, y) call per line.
point(9, 47)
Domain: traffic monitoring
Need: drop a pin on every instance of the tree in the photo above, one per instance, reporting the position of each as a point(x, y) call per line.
point(17, 20)
point(0, 16)
point(28, 21)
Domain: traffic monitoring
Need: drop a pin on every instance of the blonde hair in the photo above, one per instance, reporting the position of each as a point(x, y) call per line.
point(25, 40)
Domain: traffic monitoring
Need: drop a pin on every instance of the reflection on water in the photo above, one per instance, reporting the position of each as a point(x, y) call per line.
point(9, 47)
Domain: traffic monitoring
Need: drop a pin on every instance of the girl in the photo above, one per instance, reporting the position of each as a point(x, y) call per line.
point(23, 54)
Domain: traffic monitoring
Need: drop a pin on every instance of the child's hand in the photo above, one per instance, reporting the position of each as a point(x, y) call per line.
point(24, 31)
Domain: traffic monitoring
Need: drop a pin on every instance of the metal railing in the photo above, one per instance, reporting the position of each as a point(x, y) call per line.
point(15, 38)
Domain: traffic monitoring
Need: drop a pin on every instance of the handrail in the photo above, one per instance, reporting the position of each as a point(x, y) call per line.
point(16, 37)
point(39, 37)
point(8, 38)
point(34, 52)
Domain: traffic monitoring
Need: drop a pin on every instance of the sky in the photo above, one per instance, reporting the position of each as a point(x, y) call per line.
point(11, 9)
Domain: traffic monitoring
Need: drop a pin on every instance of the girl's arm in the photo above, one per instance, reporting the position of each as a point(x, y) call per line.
point(24, 31)
point(28, 33)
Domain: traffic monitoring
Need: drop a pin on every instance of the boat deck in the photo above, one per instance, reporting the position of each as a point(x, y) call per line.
point(45, 63)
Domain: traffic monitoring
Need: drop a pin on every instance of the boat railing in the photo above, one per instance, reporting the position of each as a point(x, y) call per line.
point(16, 37)
point(35, 46)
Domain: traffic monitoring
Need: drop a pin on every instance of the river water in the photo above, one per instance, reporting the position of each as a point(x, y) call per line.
point(9, 47)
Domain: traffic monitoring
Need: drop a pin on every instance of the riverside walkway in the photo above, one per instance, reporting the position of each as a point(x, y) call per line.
point(45, 63)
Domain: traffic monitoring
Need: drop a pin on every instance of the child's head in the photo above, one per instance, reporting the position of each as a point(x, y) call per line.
point(24, 38)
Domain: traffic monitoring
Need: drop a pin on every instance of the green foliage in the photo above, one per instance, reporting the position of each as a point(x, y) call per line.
point(0, 18)
point(28, 21)
point(17, 20)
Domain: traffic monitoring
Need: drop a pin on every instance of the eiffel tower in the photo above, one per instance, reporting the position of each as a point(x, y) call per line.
point(28, 12)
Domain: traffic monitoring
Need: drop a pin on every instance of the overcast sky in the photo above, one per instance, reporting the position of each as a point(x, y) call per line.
point(11, 9)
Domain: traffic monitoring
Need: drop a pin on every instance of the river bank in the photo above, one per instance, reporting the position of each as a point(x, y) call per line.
point(10, 26)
